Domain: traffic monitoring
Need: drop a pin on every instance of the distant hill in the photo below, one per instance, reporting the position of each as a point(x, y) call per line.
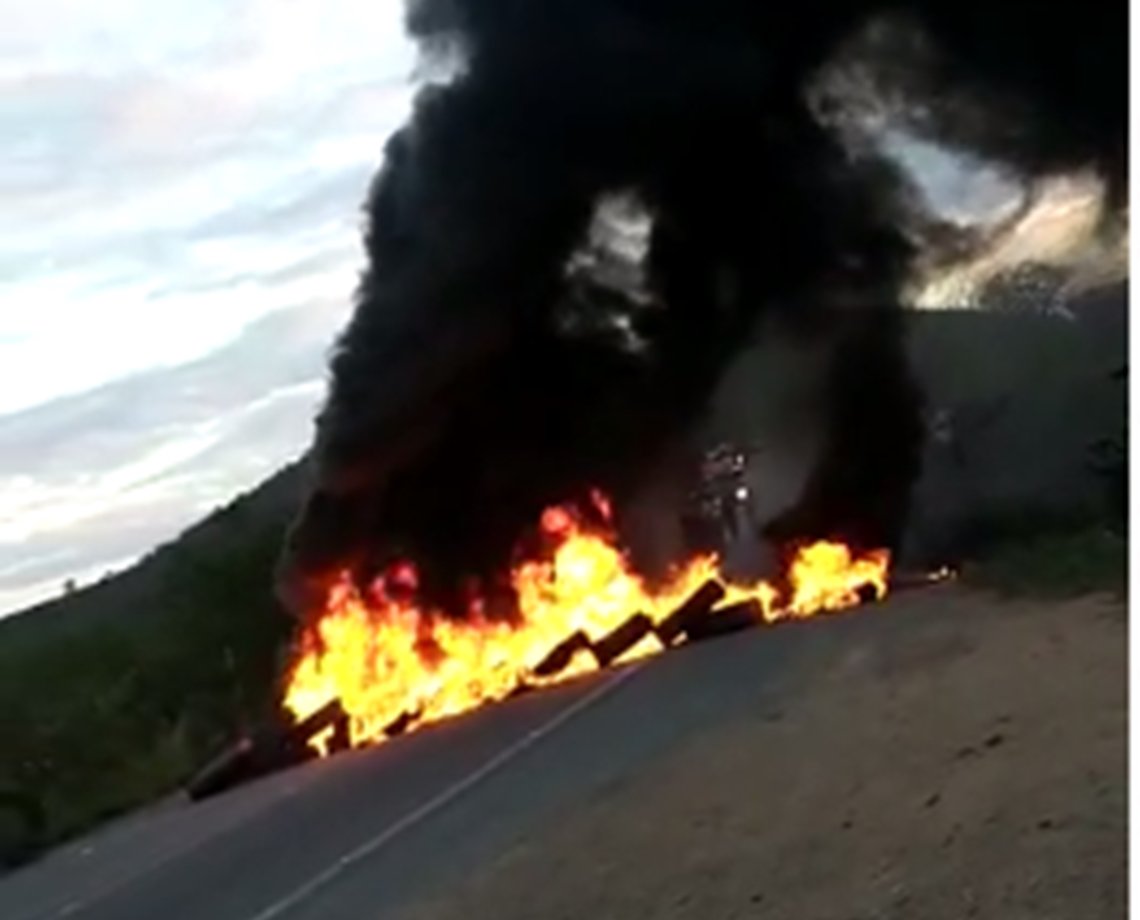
point(1030, 394)
point(140, 591)
point(113, 693)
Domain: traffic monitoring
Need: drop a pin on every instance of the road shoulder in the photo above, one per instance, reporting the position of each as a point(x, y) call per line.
point(964, 757)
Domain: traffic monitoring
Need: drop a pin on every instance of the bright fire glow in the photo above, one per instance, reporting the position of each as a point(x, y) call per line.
point(390, 661)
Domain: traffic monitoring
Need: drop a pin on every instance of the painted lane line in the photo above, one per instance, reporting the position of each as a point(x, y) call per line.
point(444, 798)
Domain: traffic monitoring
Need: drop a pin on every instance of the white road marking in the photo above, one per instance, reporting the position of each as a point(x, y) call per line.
point(117, 884)
point(434, 804)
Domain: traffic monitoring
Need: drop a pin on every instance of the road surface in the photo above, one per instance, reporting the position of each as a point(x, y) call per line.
point(367, 830)
point(371, 833)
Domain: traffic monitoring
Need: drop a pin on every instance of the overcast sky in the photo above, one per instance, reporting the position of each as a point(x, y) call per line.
point(178, 246)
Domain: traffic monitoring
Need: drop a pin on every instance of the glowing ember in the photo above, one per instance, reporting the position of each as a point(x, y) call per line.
point(391, 662)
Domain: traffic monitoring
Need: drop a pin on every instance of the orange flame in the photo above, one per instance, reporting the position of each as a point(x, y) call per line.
point(388, 660)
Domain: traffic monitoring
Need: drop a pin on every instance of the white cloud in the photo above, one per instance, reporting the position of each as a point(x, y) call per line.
point(143, 131)
point(179, 244)
point(95, 479)
point(957, 186)
point(1061, 227)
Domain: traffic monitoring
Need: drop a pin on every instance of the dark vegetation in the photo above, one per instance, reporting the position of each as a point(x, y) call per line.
point(1061, 561)
point(1051, 551)
point(112, 694)
point(1039, 503)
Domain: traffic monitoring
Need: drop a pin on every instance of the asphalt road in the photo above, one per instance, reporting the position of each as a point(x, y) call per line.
point(359, 834)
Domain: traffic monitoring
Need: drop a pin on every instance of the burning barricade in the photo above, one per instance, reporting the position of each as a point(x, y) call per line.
point(374, 663)
point(579, 608)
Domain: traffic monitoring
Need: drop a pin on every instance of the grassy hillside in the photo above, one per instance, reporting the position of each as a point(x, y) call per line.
point(109, 696)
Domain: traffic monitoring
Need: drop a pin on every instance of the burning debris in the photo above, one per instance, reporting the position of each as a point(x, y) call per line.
point(386, 660)
point(375, 664)
point(271, 748)
point(696, 606)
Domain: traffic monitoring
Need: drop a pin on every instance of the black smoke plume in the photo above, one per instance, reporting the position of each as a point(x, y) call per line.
point(459, 407)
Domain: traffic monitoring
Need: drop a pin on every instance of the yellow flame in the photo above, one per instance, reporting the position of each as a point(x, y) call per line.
point(386, 659)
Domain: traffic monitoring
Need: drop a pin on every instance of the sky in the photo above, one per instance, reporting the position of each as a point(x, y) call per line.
point(179, 244)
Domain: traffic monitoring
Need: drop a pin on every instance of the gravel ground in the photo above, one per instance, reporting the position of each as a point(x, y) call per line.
point(968, 764)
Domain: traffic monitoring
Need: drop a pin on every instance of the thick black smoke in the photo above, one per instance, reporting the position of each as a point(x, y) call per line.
point(458, 410)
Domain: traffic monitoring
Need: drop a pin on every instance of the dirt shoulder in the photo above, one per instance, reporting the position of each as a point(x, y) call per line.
point(968, 763)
